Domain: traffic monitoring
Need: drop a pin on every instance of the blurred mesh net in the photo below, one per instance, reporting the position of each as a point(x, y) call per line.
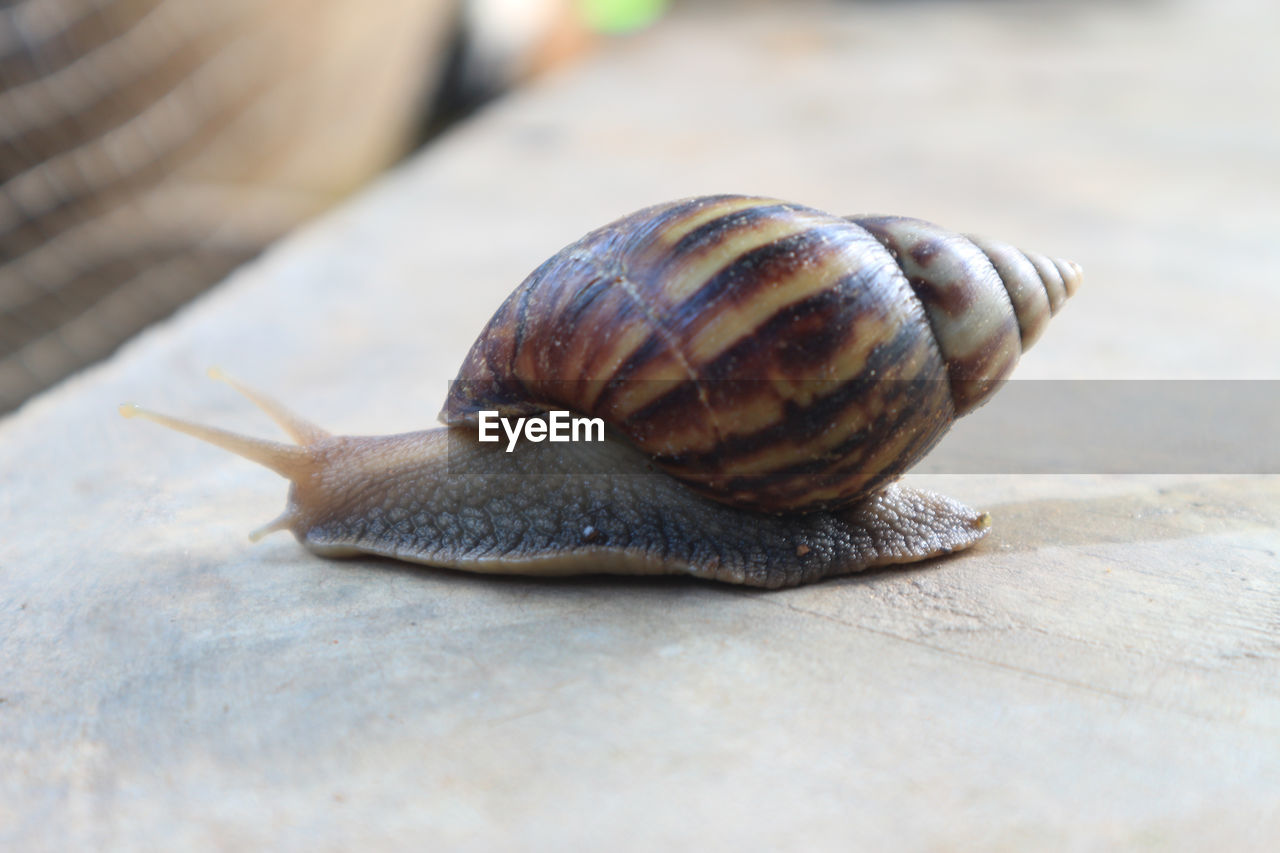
point(147, 147)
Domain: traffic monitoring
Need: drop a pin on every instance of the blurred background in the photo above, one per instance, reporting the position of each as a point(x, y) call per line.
point(148, 147)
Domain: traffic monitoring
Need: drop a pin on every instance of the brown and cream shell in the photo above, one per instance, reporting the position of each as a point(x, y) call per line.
point(770, 355)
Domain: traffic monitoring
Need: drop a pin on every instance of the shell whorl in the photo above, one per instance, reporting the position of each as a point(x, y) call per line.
point(770, 355)
point(986, 300)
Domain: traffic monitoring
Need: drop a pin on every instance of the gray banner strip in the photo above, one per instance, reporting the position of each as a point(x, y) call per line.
point(1093, 427)
point(1118, 427)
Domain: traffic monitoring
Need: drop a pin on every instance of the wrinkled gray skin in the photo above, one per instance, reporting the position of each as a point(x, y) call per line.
point(450, 501)
point(442, 498)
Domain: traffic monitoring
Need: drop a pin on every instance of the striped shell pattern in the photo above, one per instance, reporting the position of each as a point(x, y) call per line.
point(771, 356)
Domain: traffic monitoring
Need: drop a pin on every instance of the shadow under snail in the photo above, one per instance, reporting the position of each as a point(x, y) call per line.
point(766, 371)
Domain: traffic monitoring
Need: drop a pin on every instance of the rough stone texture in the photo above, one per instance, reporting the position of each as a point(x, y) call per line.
point(1102, 671)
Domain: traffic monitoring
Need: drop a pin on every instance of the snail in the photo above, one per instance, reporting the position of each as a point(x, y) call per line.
point(767, 372)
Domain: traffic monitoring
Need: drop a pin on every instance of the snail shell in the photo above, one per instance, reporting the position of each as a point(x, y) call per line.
point(786, 363)
point(771, 356)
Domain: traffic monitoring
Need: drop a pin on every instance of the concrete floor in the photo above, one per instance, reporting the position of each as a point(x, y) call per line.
point(1102, 671)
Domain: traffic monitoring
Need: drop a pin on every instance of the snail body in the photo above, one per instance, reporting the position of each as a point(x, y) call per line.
point(766, 371)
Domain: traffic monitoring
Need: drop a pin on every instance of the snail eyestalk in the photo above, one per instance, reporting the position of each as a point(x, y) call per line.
point(299, 429)
point(287, 460)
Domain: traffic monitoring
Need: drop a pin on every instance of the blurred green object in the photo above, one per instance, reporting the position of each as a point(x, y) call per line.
point(617, 16)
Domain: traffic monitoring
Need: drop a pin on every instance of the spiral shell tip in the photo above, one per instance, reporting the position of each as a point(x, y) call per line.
point(1072, 273)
